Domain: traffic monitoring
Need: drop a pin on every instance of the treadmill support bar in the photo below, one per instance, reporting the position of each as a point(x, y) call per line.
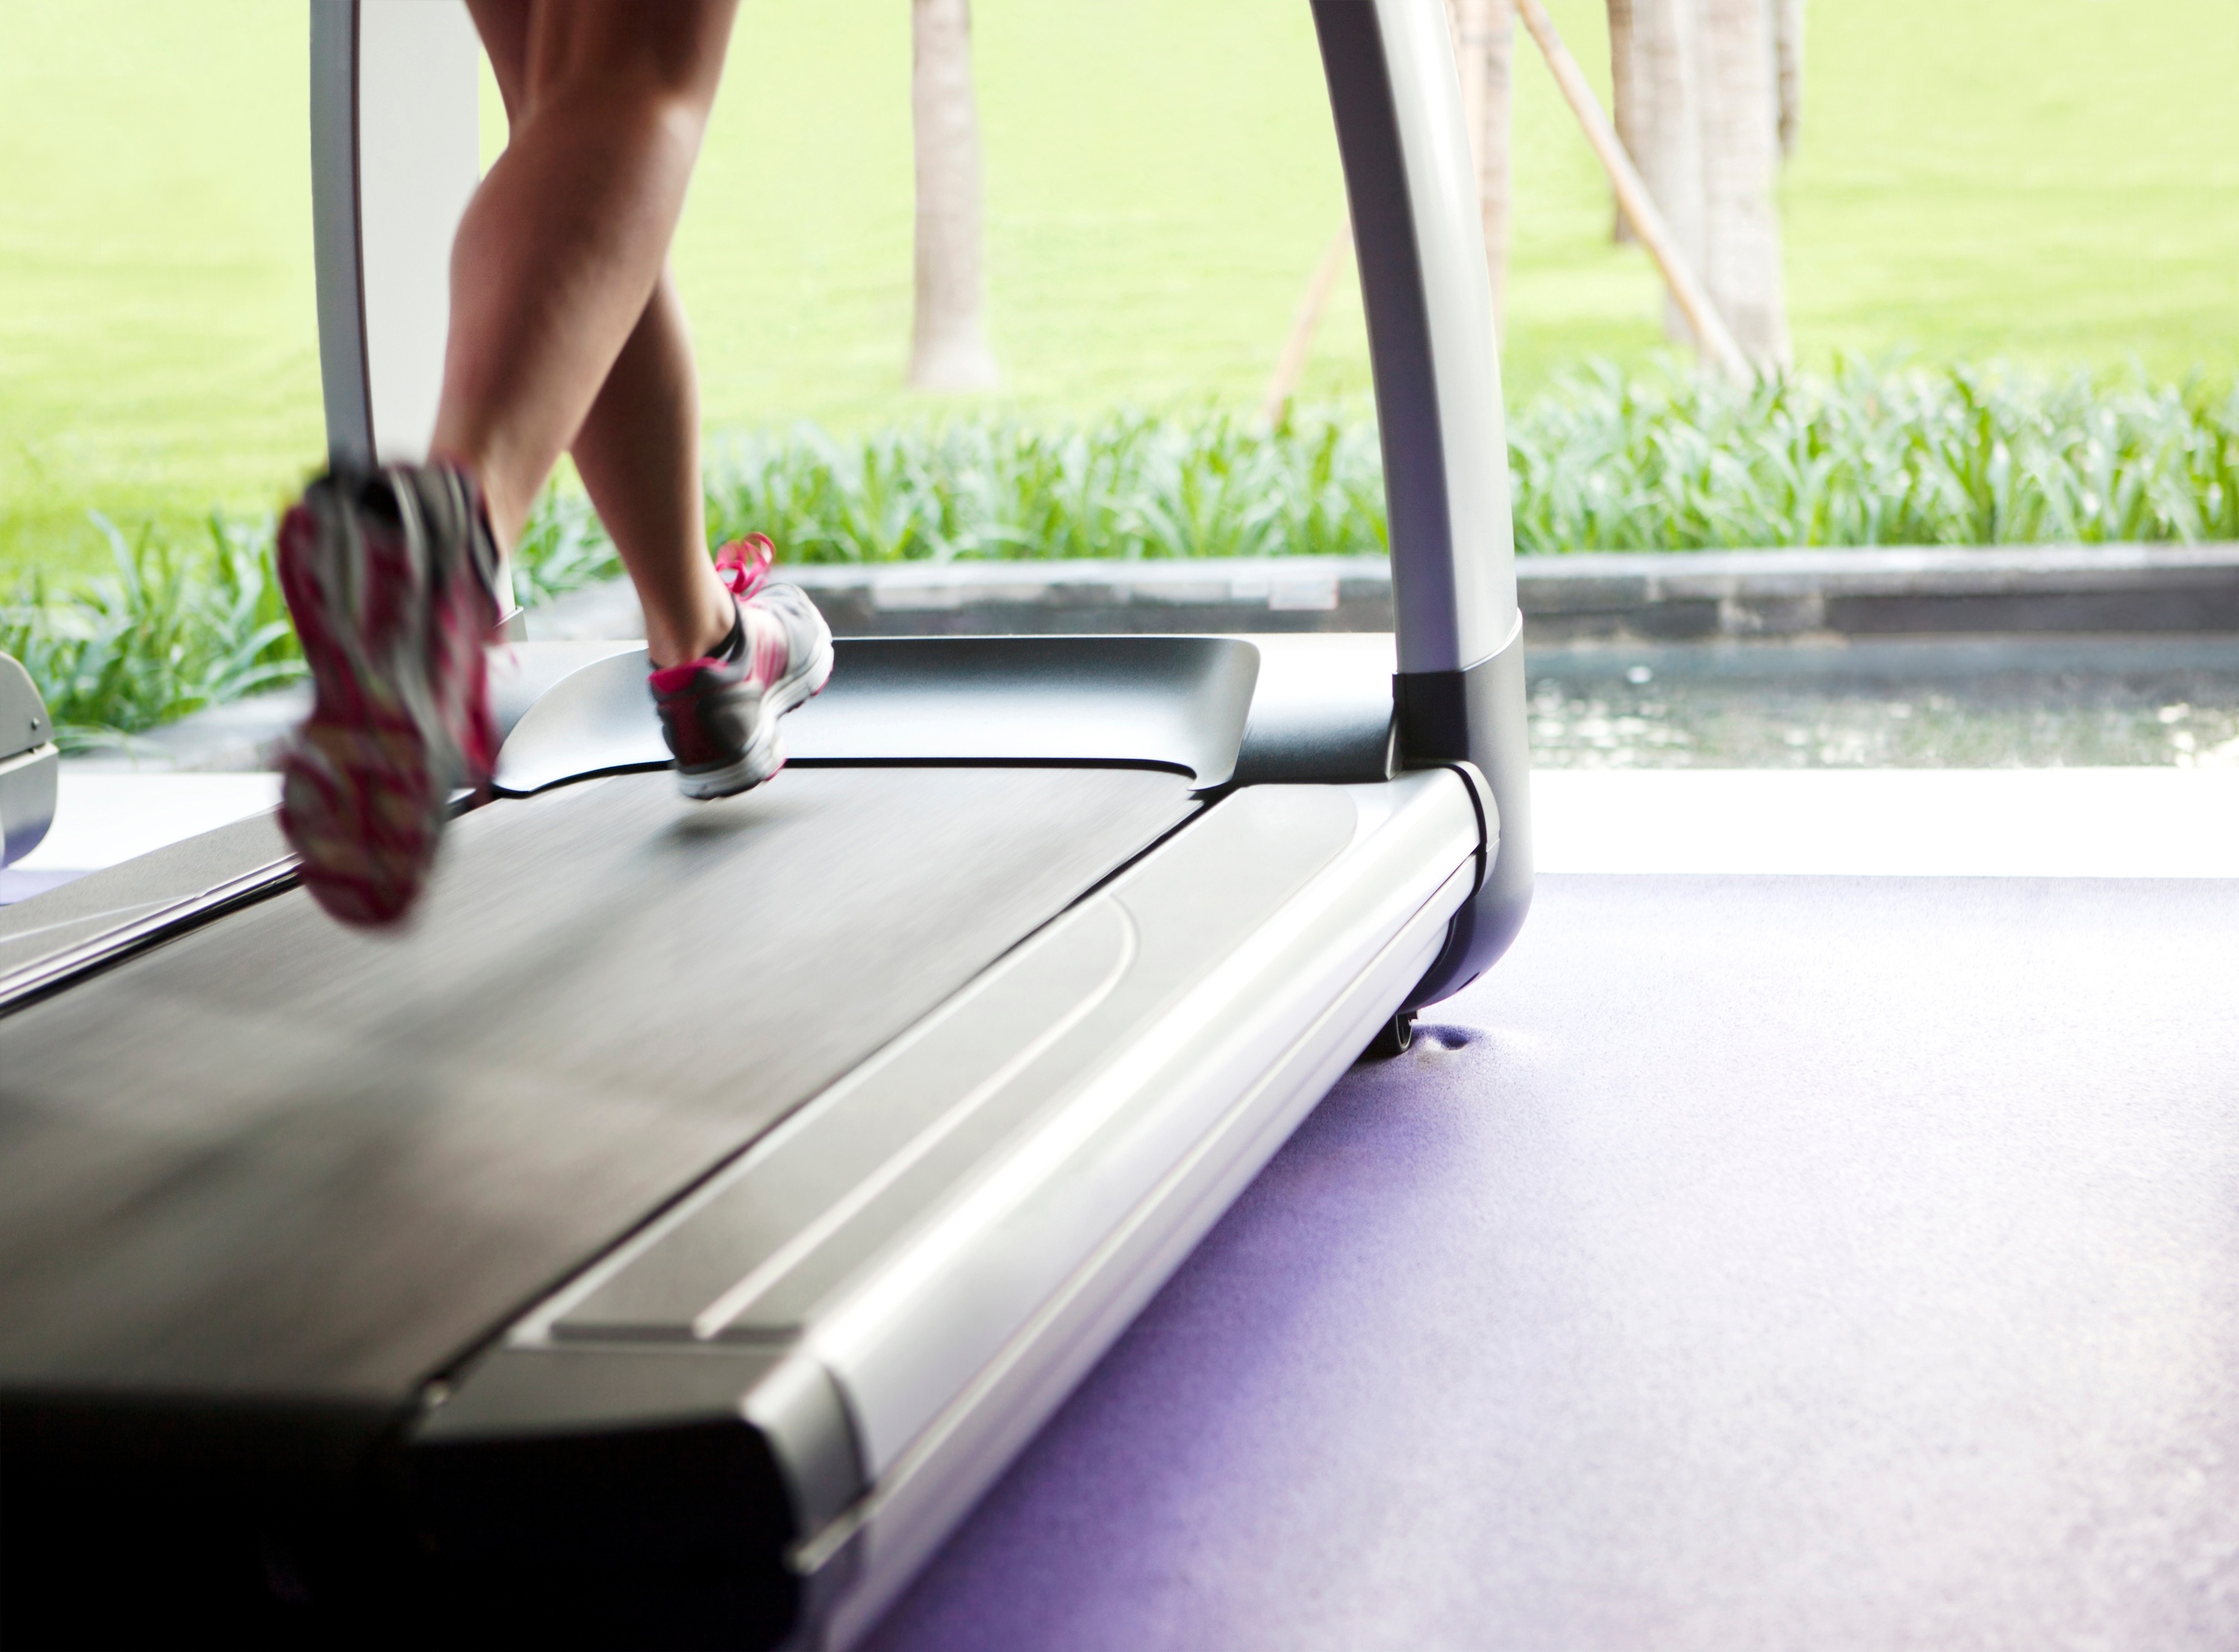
point(1396, 97)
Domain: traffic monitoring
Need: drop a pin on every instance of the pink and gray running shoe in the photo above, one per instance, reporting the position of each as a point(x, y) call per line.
point(391, 576)
point(720, 714)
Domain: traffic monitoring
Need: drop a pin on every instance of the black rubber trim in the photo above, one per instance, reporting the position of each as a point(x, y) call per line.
point(1476, 716)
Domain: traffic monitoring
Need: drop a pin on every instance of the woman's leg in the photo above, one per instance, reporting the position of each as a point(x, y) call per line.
point(638, 452)
point(565, 328)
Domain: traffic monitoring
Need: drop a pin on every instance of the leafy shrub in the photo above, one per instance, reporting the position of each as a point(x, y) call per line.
point(172, 628)
point(1965, 455)
point(1863, 456)
point(1129, 484)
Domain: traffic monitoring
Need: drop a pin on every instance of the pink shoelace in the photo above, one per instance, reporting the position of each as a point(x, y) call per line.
point(744, 564)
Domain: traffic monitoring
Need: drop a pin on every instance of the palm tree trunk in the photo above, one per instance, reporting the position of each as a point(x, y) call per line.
point(1628, 90)
point(1685, 291)
point(1466, 19)
point(948, 343)
point(1787, 70)
point(1492, 163)
point(1484, 47)
point(1741, 232)
point(1671, 162)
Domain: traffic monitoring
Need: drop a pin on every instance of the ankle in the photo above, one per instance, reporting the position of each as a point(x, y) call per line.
point(673, 645)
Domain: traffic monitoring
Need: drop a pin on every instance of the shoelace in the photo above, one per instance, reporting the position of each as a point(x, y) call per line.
point(744, 564)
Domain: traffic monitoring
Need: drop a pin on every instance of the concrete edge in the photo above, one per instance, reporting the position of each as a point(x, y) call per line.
point(1651, 597)
point(1691, 598)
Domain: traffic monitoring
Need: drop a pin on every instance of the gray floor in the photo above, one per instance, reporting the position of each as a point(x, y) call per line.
point(279, 1156)
point(1745, 1263)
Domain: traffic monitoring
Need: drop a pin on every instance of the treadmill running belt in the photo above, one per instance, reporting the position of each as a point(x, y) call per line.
point(275, 1158)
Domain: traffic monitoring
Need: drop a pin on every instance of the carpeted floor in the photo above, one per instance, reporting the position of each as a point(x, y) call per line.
point(1745, 1263)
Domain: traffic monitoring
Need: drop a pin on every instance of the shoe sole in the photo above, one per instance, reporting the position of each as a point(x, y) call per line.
point(765, 752)
point(361, 801)
point(357, 807)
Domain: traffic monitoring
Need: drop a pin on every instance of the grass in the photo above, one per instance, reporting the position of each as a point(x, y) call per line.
point(2054, 182)
point(1601, 461)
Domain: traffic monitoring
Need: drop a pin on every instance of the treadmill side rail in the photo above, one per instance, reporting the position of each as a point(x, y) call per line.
point(51, 940)
point(956, 1231)
point(1216, 994)
point(966, 1446)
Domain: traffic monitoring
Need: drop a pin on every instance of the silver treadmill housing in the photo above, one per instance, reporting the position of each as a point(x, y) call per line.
point(29, 763)
point(912, 1271)
point(808, 1342)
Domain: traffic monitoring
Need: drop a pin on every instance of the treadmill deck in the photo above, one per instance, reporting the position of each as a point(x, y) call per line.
point(276, 1157)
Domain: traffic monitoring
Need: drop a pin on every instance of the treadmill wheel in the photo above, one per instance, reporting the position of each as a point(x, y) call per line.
point(1392, 1039)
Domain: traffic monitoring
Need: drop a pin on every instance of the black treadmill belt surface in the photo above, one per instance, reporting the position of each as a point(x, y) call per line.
point(276, 1157)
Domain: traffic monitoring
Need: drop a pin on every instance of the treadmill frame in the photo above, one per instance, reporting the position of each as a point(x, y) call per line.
point(1062, 1159)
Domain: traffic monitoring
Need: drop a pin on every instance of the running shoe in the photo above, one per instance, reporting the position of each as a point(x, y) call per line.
point(391, 577)
point(720, 714)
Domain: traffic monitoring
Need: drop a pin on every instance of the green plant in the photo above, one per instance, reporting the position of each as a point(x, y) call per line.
point(563, 548)
point(1965, 455)
point(1128, 485)
point(172, 628)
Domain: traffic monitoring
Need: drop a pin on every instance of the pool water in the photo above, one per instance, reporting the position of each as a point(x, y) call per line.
point(1966, 703)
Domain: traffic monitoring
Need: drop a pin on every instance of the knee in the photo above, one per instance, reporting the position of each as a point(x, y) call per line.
point(655, 67)
point(624, 96)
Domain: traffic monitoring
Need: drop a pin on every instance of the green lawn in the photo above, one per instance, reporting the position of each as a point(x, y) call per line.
point(2052, 181)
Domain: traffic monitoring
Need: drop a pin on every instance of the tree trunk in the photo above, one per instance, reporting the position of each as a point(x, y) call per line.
point(1741, 232)
point(1466, 19)
point(948, 343)
point(1717, 347)
point(1670, 161)
point(1275, 406)
point(1485, 46)
point(1629, 89)
point(1492, 166)
point(1788, 70)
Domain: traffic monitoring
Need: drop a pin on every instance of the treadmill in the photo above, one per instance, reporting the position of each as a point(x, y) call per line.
point(668, 1237)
